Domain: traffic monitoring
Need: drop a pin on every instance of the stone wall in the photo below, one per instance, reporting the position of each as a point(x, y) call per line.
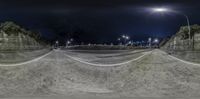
point(181, 41)
point(14, 38)
point(197, 41)
point(180, 46)
point(17, 42)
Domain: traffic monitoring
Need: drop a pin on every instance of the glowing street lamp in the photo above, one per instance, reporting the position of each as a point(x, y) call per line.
point(156, 40)
point(160, 9)
point(123, 36)
point(130, 42)
point(149, 41)
point(127, 37)
point(68, 42)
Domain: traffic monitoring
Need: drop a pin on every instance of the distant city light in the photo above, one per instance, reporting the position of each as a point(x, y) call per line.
point(68, 42)
point(149, 39)
point(127, 37)
point(123, 36)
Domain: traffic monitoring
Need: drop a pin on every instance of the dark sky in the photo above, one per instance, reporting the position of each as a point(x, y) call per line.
point(99, 21)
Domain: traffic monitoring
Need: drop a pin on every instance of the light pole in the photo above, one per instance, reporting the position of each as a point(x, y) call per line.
point(169, 10)
point(119, 41)
point(189, 29)
point(125, 37)
point(156, 42)
point(149, 40)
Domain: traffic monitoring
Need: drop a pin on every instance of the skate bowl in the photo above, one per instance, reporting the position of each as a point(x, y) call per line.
point(154, 75)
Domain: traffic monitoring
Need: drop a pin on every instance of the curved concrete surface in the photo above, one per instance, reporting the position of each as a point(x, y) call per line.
point(17, 57)
point(154, 75)
point(27, 62)
point(102, 64)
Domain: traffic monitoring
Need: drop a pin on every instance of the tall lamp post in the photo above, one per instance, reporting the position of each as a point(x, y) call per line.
point(125, 37)
point(161, 10)
point(189, 29)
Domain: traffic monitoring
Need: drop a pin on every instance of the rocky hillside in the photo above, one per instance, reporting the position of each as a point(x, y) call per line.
point(181, 41)
point(13, 37)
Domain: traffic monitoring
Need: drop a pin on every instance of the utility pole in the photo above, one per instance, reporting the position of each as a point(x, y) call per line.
point(149, 40)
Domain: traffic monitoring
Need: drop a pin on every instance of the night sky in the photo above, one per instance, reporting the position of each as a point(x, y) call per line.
point(99, 21)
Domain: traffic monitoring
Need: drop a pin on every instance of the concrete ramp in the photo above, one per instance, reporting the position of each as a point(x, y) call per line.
point(154, 75)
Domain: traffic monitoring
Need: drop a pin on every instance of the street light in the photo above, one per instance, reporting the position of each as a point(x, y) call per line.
point(149, 40)
point(123, 36)
point(119, 39)
point(160, 9)
point(156, 40)
point(68, 42)
point(127, 37)
point(169, 10)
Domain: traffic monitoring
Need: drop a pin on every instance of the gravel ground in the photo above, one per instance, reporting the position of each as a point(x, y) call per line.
point(155, 75)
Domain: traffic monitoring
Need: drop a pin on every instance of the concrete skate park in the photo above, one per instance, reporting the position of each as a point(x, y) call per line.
point(31, 68)
point(100, 49)
point(112, 74)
